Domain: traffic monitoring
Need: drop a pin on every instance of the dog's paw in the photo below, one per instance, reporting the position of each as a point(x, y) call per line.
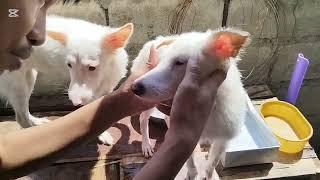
point(147, 148)
point(106, 138)
point(191, 174)
point(208, 178)
point(208, 175)
point(38, 121)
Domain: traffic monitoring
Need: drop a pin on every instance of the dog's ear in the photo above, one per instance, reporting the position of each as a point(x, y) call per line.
point(165, 43)
point(153, 58)
point(118, 38)
point(226, 44)
point(58, 36)
point(150, 64)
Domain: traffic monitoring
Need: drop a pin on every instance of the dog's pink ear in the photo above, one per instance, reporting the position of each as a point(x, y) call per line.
point(165, 43)
point(58, 36)
point(150, 64)
point(226, 44)
point(119, 38)
point(153, 58)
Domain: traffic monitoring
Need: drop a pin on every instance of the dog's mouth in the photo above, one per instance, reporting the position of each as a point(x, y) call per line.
point(78, 105)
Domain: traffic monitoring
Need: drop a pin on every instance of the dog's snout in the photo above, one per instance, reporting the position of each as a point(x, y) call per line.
point(138, 88)
point(77, 103)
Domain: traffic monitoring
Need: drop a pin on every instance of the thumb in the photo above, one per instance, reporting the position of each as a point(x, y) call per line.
point(193, 70)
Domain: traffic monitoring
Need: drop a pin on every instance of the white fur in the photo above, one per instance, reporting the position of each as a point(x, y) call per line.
point(162, 81)
point(84, 46)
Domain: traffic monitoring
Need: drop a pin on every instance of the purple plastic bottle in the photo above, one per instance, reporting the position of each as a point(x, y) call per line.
point(297, 79)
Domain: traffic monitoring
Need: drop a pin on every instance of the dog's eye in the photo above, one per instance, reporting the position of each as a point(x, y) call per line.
point(92, 68)
point(178, 63)
point(69, 65)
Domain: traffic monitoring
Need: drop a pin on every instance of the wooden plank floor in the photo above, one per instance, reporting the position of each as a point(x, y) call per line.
point(124, 159)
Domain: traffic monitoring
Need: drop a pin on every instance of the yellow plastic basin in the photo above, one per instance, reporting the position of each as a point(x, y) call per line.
point(288, 124)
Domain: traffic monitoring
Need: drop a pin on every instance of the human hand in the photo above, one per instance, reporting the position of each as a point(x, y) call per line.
point(194, 100)
point(126, 88)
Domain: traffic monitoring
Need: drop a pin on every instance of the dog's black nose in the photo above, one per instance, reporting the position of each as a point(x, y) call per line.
point(138, 88)
point(78, 105)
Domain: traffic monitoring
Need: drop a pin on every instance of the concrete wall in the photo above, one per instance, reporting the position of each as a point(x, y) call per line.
point(281, 29)
point(152, 17)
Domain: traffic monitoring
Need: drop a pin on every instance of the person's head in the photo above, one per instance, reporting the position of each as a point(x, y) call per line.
point(22, 25)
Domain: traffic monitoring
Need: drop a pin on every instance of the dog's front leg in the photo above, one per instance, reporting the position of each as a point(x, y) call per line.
point(31, 76)
point(17, 87)
point(106, 138)
point(17, 93)
point(147, 148)
point(191, 168)
point(214, 154)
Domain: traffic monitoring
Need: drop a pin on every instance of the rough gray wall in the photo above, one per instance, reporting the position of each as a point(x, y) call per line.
point(153, 18)
point(281, 29)
point(88, 10)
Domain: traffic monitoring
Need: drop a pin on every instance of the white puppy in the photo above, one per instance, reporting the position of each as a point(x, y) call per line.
point(94, 54)
point(221, 49)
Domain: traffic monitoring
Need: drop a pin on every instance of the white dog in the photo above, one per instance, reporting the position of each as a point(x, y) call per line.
point(95, 57)
point(223, 48)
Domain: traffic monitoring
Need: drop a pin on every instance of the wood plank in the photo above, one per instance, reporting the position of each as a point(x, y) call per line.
point(95, 170)
point(126, 153)
point(304, 167)
point(130, 166)
point(127, 138)
point(58, 102)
